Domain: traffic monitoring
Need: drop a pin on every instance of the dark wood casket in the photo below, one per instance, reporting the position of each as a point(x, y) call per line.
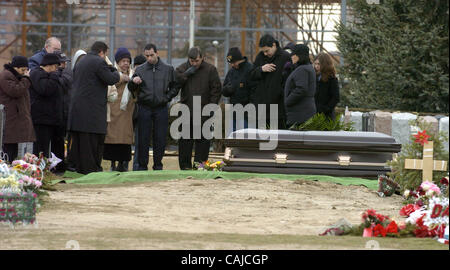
point(338, 153)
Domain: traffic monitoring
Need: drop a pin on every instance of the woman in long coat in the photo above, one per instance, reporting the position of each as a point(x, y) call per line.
point(300, 88)
point(14, 95)
point(119, 135)
point(327, 93)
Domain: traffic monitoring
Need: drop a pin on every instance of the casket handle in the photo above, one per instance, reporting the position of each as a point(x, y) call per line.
point(281, 158)
point(227, 155)
point(344, 160)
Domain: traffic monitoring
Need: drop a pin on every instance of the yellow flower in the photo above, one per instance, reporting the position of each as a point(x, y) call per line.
point(17, 167)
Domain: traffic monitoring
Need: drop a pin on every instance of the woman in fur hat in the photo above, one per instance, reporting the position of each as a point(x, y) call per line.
point(119, 136)
point(14, 95)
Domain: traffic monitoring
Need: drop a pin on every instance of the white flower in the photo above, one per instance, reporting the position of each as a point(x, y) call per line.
point(406, 194)
point(430, 193)
point(415, 215)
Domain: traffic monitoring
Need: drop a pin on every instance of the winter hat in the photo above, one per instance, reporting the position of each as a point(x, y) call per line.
point(289, 47)
point(122, 53)
point(300, 49)
point(50, 59)
point(19, 61)
point(234, 54)
point(63, 57)
point(139, 60)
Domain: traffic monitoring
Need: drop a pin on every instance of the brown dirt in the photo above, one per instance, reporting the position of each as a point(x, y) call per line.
point(203, 214)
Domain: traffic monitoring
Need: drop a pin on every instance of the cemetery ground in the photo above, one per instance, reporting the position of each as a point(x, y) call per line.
point(186, 214)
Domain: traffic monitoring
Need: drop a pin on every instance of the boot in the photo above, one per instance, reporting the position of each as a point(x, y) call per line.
point(120, 167)
point(125, 165)
point(113, 165)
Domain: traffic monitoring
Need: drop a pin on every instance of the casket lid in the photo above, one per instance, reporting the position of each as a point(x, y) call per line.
point(309, 139)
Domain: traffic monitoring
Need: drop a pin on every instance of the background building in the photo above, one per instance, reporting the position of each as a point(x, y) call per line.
point(25, 24)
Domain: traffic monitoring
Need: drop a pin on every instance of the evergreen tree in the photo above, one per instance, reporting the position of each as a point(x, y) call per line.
point(396, 55)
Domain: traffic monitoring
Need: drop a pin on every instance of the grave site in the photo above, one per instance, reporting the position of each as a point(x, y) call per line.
point(360, 90)
point(221, 207)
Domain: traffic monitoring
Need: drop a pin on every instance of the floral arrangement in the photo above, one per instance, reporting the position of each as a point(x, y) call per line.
point(20, 185)
point(425, 192)
point(428, 209)
point(386, 186)
point(378, 225)
point(208, 166)
point(28, 169)
point(18, 207)
point(10, 182)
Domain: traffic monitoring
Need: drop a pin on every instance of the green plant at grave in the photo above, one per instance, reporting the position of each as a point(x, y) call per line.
point(411, 179)
point(320, 122)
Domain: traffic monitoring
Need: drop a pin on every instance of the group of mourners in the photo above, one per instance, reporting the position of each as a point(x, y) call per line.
point(102, 108)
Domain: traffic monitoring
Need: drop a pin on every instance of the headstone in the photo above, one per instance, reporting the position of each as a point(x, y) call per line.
point(401, 130)
point(370, 121)
point(430, 120)
point(356, 118)
point(381, 122)
point(365, 122)
point(443, 126)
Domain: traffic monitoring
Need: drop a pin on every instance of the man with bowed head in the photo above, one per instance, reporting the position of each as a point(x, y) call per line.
point(87, 111)
point(47, 108)
point(196, 78)
point(154, 83)
point(268, 75)
point(52, 45)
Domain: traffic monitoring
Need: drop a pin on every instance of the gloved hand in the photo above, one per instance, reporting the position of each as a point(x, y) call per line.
point(190, 71)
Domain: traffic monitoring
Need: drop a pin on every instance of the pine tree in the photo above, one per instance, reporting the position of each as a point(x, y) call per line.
point(396, 55)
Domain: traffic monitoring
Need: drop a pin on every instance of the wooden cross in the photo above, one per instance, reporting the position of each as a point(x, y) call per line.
point(427, 164)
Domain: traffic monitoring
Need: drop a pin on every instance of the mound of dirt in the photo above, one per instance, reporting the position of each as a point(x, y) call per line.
point(256, 206)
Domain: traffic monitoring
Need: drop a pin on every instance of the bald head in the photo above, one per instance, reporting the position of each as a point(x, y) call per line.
point(52, 44)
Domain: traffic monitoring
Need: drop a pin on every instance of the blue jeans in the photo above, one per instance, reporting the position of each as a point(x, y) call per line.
point(152, 122)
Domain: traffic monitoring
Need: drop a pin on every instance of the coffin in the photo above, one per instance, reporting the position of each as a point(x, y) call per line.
point(337, 153)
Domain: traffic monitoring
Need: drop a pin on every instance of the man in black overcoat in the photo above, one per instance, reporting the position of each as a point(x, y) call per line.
point(87, 111)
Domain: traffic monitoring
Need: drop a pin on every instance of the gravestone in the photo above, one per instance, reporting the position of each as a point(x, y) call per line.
point(380, 122)
point(443, 126)
point(430, 120)
point(356, 117)
point(401, 130)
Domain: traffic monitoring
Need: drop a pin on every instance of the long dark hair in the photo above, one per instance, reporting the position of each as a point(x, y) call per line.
point(303, 59)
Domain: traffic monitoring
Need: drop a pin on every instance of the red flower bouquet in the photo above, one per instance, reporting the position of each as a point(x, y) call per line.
point(379, 230)
point(408, 209)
